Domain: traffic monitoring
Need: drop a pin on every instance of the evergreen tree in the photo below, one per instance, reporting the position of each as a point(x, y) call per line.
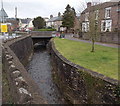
point(74, 13)
point(68, 17)
point(39, 23)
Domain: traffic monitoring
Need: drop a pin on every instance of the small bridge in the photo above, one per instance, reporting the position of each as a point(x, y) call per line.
point(42, 37)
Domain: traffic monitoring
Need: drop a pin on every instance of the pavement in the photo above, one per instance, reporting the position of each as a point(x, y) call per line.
point(70, 37)
point(6, 36)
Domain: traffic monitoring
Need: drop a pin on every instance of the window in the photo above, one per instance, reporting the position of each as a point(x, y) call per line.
point(85, 26)
point(103, 25)
point(96, 14)
point(86, 16)
point(106, 25)
point(107, 12)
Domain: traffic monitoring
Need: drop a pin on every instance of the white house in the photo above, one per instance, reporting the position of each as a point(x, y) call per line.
point(30, 25)
point(26, 24)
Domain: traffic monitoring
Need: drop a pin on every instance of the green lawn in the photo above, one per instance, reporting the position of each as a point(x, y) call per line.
point(104, 60)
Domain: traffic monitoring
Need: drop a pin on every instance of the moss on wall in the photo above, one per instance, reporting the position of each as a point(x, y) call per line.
point(80, 85)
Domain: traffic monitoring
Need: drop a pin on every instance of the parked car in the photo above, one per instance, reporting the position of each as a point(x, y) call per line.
point(27, 30)
point(55, 34)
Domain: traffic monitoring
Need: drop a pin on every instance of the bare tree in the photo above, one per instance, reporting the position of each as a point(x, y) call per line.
point(93, 28)
point(93, 22)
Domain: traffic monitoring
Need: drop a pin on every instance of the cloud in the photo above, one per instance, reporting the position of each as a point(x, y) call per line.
point(44, 8)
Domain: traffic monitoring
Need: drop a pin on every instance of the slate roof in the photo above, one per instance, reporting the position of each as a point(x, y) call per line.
point(26, 21)
point(100, 6)
point(10, 19)
point(114, 0)
point(3, 13)
point(55, 19)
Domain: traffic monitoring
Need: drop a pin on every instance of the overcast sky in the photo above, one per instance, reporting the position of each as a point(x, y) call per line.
point(44, 8)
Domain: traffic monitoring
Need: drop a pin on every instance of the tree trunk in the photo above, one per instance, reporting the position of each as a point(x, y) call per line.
point(66, 29)
point(93, 44)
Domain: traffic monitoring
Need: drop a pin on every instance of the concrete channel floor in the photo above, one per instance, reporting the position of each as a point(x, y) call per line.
point(70, 37)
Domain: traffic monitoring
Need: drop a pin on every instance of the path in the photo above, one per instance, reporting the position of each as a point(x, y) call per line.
point(98, 43)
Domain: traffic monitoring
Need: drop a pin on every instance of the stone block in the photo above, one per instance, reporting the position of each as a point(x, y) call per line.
point(9, 57)
point(16, 73)
point(20, 82)
point(6, 52)
point(10, 63)
point(25, 96)
point(12, 67)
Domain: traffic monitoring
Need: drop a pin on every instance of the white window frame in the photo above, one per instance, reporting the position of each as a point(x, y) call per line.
point(86, 16)
point(96, 14)
point(107, 12)
point(102, 26)
point(107, 27)
point(85, 26)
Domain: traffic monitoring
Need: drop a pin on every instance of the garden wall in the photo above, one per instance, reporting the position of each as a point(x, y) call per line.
point(108, 37)
point(80, 85)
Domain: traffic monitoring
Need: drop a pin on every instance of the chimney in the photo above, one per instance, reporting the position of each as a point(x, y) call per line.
point(89, 4)
point(51, 16)
point(59, 14)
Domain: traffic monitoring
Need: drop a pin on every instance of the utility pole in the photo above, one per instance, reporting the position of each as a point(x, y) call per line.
point(16, 12)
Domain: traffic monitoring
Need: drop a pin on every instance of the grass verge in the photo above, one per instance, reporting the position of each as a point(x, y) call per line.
point(104, 60)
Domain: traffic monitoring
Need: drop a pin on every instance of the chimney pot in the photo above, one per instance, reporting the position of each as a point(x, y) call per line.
point(89, 4)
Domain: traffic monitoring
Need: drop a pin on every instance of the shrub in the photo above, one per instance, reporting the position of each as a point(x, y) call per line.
point(44, 29)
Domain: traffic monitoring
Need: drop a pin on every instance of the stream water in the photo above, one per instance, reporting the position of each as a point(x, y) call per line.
point(40, 70)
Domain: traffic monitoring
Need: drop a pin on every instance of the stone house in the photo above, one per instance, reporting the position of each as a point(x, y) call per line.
point(107, 18)
point(14, 23)
point(55, 22)
point(30, 25)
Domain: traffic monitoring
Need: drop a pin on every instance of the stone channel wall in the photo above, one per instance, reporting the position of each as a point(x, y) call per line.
point(23, 89)
point(80, 85)
point(23, 49)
